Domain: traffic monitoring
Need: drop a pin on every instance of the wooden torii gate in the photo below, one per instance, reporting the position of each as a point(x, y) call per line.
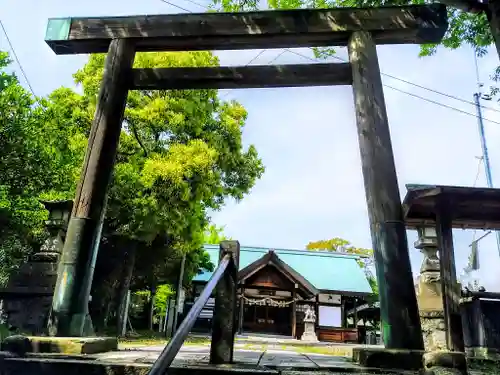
point(360, 29)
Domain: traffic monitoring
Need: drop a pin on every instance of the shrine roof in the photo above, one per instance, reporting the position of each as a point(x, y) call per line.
point(324, 270)
point(471, 207)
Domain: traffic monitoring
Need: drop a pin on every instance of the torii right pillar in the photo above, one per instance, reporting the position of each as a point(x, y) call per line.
point(398, 304)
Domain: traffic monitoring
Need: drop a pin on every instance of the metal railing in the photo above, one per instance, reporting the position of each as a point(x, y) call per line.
point(226, 268)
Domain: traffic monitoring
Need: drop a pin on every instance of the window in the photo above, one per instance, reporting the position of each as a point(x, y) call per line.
point(330, 316)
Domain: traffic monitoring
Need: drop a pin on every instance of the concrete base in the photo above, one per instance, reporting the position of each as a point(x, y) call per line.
point(444, 362)
point(388, 358)
point(20, 345)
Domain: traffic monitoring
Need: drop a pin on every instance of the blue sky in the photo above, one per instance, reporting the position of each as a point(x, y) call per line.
point(313, 187)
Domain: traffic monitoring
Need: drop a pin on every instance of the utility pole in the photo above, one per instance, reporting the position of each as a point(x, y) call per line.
point(484, 148)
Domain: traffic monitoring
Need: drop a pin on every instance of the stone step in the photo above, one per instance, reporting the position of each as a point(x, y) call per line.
point(60, 365)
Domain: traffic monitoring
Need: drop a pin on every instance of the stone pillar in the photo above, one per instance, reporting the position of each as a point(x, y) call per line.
point(30, 288)
point(428, 289)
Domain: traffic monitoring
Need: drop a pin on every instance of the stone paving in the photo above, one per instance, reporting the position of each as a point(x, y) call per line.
point(278, 360)
point(270, 358)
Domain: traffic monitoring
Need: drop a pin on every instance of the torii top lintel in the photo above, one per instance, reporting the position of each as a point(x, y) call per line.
point(413, 24)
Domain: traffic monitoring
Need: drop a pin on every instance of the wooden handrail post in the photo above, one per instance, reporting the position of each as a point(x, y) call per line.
point(224, 319)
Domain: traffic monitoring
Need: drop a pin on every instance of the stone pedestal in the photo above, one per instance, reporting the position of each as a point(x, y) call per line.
point(28, 296)
point(309, 334)
point(429, 295)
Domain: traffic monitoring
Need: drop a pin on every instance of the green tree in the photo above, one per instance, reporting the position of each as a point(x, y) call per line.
point(6, 79)
point(163, 293)
point(32, 152)
point(214, 235)
point(180, 154)
point(343, 246)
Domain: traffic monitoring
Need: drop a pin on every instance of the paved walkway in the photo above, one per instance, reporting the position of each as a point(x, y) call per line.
point(273, 361)
point(270, 358)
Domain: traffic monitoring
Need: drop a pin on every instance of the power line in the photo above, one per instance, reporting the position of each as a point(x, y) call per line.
point(382, 73)
point(196, 3)
point(177, 6)
point(407, 82)
point(410, 93)
point(480, 158)
point(17, 59)
point(441, 104)
point(388, 86)
point(440, 93)
point(252, 60)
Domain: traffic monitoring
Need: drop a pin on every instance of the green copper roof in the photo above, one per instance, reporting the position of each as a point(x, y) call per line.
point(325, 270)
point(58, 29)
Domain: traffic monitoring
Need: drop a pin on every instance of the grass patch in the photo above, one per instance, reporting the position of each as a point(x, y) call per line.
point(335, 350)
point(484, 367)
point(153, 339)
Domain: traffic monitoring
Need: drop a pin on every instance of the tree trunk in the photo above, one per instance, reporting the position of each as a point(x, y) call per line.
point(494, 20)
point(124, 286)
point(151, 307)
point(108, 271)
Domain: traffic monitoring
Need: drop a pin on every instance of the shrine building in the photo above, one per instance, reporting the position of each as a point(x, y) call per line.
point(275, 287)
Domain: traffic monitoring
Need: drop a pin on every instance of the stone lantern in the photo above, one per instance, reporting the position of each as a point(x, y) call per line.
point(429, 294)
point(28, 296)
point(56, 224)
point(427, 244)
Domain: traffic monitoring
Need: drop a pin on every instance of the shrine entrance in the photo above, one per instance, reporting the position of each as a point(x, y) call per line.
point(358, 29)
point(269, 292)
point(267, 317)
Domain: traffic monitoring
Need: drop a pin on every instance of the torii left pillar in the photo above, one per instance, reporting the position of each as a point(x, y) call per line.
point(70, 315)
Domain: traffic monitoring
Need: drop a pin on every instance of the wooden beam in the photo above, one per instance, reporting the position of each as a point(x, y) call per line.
point(414, 223)
point(242, 309)
point(250, 30)
point(242, 77)
point(294, 311)
point(398, 303)
point(449, 286)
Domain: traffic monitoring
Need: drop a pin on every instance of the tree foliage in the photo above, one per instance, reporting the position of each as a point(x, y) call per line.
point(6, 78)
point(340, 245)
point(33, 152)
point(214, 235)
point(465, 29)
point(180, 155)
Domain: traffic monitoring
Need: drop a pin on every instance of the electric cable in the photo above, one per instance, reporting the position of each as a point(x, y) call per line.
point(14, 54)
point(390, 76)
